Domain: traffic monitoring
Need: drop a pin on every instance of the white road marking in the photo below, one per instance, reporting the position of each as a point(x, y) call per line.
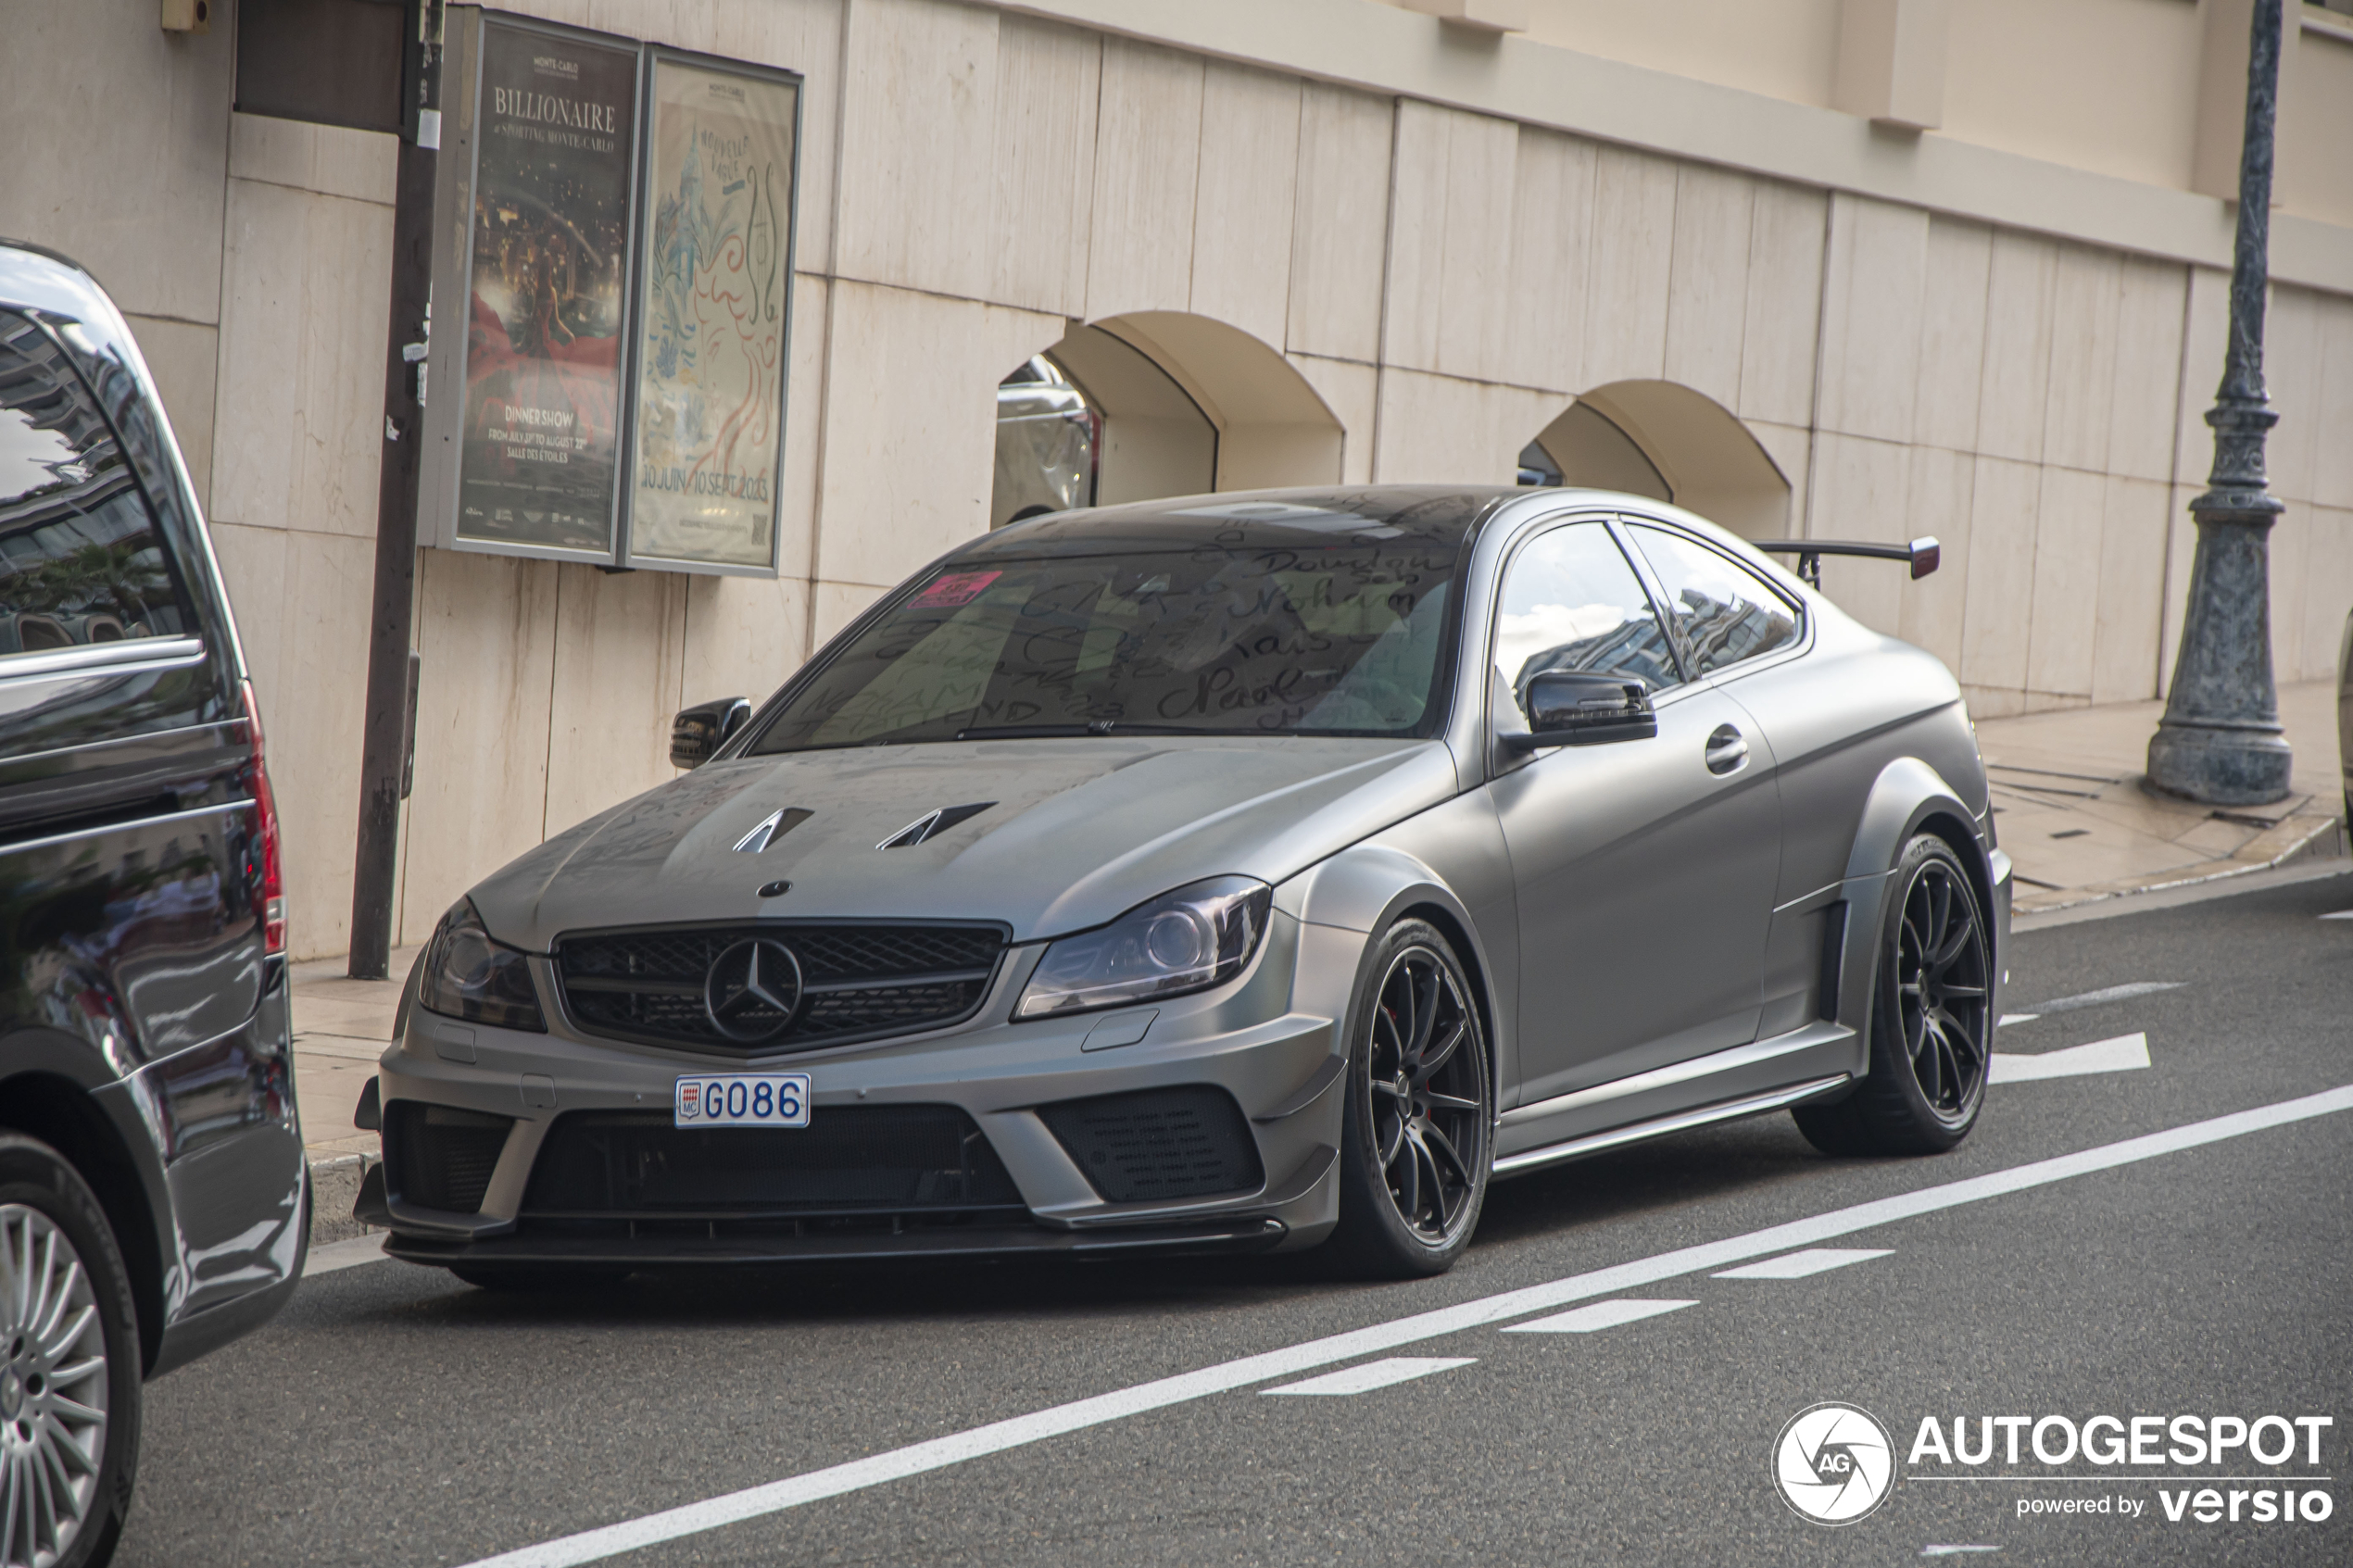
point(996, 1436)
point(1954, 1550)
point(2340, 914)
point(1813, 1260)
point(2120, 1055)
point(1373, 1375)
point(344, 1255)
point(2106, 994)
point(2011, 1018)
point(1600, 1315)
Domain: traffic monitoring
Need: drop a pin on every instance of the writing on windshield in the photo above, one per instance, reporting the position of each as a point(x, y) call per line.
point(1344, 638)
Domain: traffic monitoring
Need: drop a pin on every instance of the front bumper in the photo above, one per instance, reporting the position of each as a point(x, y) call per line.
point(1268, 1039)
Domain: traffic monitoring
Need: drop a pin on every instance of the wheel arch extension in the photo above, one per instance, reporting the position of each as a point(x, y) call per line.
point(1908, 798)
point(1369, 887)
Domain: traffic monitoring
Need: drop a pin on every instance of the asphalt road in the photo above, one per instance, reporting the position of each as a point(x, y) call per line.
point(393, 1416)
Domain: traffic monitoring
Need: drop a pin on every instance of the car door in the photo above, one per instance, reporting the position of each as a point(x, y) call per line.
point(1737, 631)
point(1645, 867)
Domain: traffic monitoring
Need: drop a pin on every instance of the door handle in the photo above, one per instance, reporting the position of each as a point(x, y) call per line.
point(1726, 750)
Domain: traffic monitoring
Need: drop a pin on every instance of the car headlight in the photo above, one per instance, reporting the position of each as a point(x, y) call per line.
point(465, 974)
point(1188, 940)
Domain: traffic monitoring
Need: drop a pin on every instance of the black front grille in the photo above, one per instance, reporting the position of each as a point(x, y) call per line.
point(853, 1159)
point(439, 1157)
point(858, 982)
point(1159, 1144)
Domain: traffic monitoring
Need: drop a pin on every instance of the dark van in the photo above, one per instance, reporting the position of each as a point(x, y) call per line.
point(154, 1200)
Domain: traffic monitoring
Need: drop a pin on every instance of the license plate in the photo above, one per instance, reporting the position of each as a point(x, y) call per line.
point(741, 1099)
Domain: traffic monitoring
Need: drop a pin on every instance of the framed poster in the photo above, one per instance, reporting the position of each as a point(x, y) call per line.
point(713, 316)
point(554, 149)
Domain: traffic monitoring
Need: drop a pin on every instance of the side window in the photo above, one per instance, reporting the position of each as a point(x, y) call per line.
point(81, 558)
point(1571, 602)
point(1722, 612)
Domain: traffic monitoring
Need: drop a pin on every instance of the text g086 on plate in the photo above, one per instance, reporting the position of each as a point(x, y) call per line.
point(741, 1099)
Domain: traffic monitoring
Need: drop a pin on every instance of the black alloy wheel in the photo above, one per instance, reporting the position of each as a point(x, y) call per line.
point(1940, 991)
point(1420, 1110)
point(1932, 1018)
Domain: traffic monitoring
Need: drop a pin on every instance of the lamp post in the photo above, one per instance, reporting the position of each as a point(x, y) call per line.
point(2221, 741)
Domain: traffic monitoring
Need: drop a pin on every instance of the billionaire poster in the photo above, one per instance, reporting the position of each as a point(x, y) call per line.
point(540, 450)
point(713, 316)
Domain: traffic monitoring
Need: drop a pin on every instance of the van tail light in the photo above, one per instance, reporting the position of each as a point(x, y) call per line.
point(269, 896)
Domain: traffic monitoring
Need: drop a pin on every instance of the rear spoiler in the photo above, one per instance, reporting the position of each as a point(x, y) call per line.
point(1924, 554)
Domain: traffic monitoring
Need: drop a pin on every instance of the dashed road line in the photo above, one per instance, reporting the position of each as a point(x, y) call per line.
point(998, 1436)
point(1599, 1316)
point(2121, 1055)
point(1800, 1265)
point(2106, 994)
point(1382, 1373)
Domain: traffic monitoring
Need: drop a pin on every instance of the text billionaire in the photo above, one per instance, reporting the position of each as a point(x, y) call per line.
point(519, 103)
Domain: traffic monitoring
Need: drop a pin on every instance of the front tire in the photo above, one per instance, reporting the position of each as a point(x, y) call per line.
point(70, 1366)
point(1932, 1018)
point(1420, 1112)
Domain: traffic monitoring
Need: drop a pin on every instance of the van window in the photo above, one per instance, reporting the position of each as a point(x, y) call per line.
point(81, 558)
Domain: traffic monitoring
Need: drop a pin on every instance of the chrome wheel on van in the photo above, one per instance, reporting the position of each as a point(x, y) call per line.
point(52, 1390)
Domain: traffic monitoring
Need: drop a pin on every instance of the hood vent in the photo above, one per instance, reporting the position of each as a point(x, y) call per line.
point(772, 827)
point(931, 826)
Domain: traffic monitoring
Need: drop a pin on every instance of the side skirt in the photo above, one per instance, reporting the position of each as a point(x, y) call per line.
point(1596, 1143)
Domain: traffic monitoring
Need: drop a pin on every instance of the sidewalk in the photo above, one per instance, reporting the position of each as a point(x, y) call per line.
point(2079, 826)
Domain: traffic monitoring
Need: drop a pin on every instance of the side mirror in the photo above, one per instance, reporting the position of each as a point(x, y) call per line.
point(701, 730)
point(1583, 708)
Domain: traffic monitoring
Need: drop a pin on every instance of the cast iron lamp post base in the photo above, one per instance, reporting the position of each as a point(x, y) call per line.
point(2221, 741)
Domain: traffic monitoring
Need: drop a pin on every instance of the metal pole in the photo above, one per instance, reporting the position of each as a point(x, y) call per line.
point(384, 734)
point(2220, 740)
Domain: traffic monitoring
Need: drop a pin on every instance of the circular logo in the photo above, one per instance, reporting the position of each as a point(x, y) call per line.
point(752, 990)
point(1834, 1463)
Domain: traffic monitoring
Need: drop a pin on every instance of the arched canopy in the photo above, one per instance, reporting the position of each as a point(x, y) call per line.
point(1665, 440)
point(1162, 403)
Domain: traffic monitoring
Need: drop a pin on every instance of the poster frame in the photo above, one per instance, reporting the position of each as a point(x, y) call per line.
point(628, 558)
point(462, 290)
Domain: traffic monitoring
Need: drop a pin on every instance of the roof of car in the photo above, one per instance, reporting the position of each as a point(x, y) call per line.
point(1400, 515)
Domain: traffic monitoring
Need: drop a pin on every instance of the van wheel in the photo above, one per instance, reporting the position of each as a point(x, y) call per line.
point(69, 1365)
point(1932, 1018)
point(1420, 1111)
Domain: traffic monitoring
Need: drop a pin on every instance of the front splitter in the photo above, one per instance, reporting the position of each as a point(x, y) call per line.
point(1248, 1235)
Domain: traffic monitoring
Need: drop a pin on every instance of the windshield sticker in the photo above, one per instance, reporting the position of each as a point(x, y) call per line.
point(956, 588)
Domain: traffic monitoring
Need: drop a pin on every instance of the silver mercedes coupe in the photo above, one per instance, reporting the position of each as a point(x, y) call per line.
point(1237, 873)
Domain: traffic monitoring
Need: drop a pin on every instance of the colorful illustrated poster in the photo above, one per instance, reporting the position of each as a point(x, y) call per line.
point(540, 453)
point(712, 320)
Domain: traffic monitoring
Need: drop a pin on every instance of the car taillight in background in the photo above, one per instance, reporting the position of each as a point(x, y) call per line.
point(269, 896)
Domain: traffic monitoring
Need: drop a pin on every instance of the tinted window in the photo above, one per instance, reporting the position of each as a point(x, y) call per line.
point(81, 561)
point(1338, 637)
point(1723, 613)
point(1571, 602)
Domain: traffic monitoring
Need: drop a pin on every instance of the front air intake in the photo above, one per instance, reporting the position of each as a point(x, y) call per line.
point(440, 1156)
point(1155, 1145)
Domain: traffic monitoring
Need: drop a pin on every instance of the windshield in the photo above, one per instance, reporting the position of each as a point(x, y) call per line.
point(1339, 638)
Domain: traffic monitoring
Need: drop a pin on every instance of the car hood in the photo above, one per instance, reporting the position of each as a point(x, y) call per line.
point(1077, 831)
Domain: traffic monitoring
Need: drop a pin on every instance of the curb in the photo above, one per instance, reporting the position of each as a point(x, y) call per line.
point(2292, 841)
point(335, 1186)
